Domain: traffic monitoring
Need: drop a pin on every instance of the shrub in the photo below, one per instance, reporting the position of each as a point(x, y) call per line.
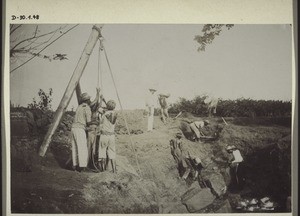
point(240, 107)
point(44, 102)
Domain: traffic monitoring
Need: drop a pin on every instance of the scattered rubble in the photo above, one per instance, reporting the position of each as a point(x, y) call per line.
point(255, 205)
point(161, 191)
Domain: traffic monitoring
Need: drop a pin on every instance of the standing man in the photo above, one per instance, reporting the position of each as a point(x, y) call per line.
point(196, 127)
point(234, 163)
point(211, 103)
point(162, 98)
point(150, 104)
point(92, 129)
point(107, 146)
point(79, 142)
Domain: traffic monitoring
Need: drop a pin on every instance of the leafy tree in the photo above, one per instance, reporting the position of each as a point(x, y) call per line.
point(210, 31)
point(44, 102)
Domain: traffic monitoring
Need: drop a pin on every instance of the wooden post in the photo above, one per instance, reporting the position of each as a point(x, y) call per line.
point(78, 92)
point(224, 121)
point(96, 33)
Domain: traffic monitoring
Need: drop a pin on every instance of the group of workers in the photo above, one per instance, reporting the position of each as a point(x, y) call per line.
point(94, 129)
point(93, 132)
point(191, 166)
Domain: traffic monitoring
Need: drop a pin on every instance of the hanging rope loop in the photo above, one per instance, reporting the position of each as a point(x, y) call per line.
point(100, 79)
point(122, 112)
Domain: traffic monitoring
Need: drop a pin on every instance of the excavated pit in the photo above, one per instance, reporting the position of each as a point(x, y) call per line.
point(264, 144)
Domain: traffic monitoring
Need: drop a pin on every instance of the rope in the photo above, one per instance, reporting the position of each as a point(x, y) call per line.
point(99, 66)
point(122, 111)
point(98, 86)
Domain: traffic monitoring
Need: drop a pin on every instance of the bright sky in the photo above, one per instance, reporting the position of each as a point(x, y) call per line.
point(250, 61)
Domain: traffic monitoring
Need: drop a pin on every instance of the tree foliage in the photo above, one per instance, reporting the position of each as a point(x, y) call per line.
point(235, 108)
point(210, 31)
point(44, 102)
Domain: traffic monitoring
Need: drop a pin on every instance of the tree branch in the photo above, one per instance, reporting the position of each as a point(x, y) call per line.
point(34, 37)
point(44, 48)
point(210, 31)
point(12, 30)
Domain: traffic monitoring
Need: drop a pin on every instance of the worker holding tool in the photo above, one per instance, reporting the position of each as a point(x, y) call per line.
point(186, 164)
point(234, 162)
point(196, 127)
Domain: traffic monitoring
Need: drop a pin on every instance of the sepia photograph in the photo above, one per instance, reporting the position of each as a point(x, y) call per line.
point(150, 118)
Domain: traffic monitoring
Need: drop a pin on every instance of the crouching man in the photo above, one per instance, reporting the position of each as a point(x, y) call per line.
point(107, 147)
point(79, 140)
point(185, 163)
point(196, 127)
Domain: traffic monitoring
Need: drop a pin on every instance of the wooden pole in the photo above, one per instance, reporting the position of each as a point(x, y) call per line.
point(96, 33)
point(224, 121)
point(78, 92)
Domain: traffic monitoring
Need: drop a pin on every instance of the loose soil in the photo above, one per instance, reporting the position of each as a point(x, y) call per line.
point(147, 180)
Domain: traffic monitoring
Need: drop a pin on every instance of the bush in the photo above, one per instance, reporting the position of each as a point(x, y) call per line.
point(44, 103)
point(235, 108)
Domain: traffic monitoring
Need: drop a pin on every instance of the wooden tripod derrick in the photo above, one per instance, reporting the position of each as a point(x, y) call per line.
point(72, 85)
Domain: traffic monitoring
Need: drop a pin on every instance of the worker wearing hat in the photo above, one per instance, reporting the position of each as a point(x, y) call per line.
point(176, 147)
point(107, 146)
point(180, 156)
point(234, 162)
point(79, 142)
point(151, 102)
point(196, 127)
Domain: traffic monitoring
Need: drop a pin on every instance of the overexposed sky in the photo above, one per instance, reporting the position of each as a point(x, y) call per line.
point(250, 61)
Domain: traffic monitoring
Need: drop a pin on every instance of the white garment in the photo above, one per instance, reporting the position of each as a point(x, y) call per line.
point(237, 156)
point(199, 124)
point(151, 100)
point(150, 118)
point(79, 147)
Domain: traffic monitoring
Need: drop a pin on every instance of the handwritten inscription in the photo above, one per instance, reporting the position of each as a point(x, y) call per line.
point(25, 17)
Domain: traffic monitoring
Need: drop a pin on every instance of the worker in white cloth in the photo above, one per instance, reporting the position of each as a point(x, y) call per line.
point(196, 127)
point(234, 162)
point(79, 142)
point(162, 98)
point(107, 146)
point(150, 104)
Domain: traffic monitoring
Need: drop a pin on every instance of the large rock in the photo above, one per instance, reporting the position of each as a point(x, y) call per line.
point(196, 199)
point(215, 181)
